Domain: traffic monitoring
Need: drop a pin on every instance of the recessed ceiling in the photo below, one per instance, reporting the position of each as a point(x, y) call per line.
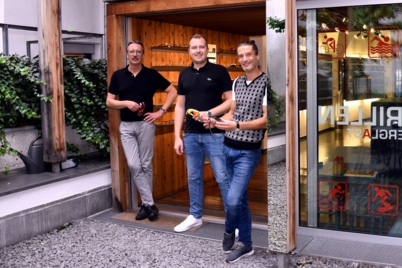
point(246, 20)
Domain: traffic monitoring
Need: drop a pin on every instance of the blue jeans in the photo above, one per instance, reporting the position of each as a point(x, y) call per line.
point(240, 166)
point(196, 146)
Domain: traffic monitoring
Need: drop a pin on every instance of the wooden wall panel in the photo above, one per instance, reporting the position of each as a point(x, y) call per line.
point(148, 6)
point(118, 163)
point(169, 169)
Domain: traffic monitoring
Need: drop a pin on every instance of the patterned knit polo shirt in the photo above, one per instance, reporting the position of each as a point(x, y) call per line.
point(249, 103)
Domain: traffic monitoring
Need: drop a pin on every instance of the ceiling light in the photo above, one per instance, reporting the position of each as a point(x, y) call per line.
point(324, 26)
point(365, 26)
point(357, 35)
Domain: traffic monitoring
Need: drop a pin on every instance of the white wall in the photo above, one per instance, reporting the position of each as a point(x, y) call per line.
point(276, 50)
point(77, 15)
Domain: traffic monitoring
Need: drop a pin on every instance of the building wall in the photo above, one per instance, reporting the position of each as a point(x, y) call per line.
point(77, 15)
point(276, 49)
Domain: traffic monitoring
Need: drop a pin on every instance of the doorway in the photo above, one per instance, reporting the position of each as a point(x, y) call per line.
point(167, 33)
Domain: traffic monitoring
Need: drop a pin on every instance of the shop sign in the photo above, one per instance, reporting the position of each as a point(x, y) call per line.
point(331, 43)
point(387, 121)
point(383, 199)
point(384, 42)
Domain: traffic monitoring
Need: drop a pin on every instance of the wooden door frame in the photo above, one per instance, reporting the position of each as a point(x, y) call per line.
point(116, 14)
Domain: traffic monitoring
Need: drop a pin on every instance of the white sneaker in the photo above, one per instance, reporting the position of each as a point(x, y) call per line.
point(187, 224)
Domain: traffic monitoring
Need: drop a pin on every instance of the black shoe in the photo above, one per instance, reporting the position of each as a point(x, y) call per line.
point(240, 252)
point(142, 215)
point(228, 241)
point(152, 212)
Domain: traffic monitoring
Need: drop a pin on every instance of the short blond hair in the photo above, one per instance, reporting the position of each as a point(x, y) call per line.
point(198, 36)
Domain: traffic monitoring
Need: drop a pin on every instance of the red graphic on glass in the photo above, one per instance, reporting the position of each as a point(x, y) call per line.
point(332, 43)
point(333, 198)
point(384, 42)
point(383, 199)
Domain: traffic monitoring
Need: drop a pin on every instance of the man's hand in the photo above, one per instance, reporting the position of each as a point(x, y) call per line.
point(132, 105)
point(151, 117)
point(178, 146)
point(226, 125)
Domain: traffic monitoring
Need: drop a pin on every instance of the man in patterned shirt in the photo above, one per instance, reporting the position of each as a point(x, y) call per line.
point(245, 125)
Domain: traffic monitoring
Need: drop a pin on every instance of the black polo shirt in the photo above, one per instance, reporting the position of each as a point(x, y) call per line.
point(203, 90)
point(140, 88)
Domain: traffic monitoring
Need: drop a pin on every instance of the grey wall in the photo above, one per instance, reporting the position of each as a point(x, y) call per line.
point(276, 51)
point(77, 15)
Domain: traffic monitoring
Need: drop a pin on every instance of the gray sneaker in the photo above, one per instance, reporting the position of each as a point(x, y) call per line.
point(228, 241)
point(240, 252)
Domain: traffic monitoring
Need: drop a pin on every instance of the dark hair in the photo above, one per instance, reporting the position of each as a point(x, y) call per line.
point(198, 36)
point(249, 43)
point(135, 42)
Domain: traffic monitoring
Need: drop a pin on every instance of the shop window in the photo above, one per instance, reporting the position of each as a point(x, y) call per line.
point(349, 84)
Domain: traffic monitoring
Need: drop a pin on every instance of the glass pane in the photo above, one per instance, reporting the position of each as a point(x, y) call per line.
point(356, 94)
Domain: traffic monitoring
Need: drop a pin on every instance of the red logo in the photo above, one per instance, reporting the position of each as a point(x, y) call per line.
point(332, 43)
point(383, 199)
point(332, 195)
point(383, 42)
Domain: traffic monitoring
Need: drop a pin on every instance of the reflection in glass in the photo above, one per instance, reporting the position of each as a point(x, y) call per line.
point(357, 107)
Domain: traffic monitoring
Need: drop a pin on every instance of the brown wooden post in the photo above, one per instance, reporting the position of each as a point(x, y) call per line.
point(291, 124)
point(51, 64)
point(115, 55)
point(282, 190)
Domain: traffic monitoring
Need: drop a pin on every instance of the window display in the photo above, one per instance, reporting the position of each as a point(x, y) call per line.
point(350, 72)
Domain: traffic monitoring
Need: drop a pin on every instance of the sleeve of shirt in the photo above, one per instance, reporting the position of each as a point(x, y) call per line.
point(233, 91)
point(113, 87)
point(226, 81)
point(180, 89)
point(161, 82)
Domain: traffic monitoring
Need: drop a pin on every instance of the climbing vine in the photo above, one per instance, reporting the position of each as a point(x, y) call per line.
point(84, 93)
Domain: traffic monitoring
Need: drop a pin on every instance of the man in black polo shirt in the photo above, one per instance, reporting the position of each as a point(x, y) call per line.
point(201, 87)
point(136, 85)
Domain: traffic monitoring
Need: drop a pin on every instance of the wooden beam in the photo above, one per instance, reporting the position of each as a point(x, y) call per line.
point(291, 123)
point(51, 64)
point(115, 55)
point(155, 6)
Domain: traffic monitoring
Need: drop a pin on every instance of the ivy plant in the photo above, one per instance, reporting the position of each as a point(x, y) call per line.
point(85, 83)
point(19, 96)
point(274, 118)
point(84, 93)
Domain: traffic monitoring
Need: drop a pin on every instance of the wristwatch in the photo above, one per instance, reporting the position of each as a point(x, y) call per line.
point(209, 114)
point(237, 125)
point(163, 110)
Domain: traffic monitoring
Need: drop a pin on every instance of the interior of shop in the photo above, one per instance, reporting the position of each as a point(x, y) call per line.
point(354, 142)
point(165, 37)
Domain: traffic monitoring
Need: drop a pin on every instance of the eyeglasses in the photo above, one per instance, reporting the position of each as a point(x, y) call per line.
point(139, 52)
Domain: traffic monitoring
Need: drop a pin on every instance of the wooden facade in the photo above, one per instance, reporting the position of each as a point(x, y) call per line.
point(169, 169)
point(166, 51)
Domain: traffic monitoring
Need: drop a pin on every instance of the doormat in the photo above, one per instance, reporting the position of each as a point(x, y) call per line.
point(162, 220)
